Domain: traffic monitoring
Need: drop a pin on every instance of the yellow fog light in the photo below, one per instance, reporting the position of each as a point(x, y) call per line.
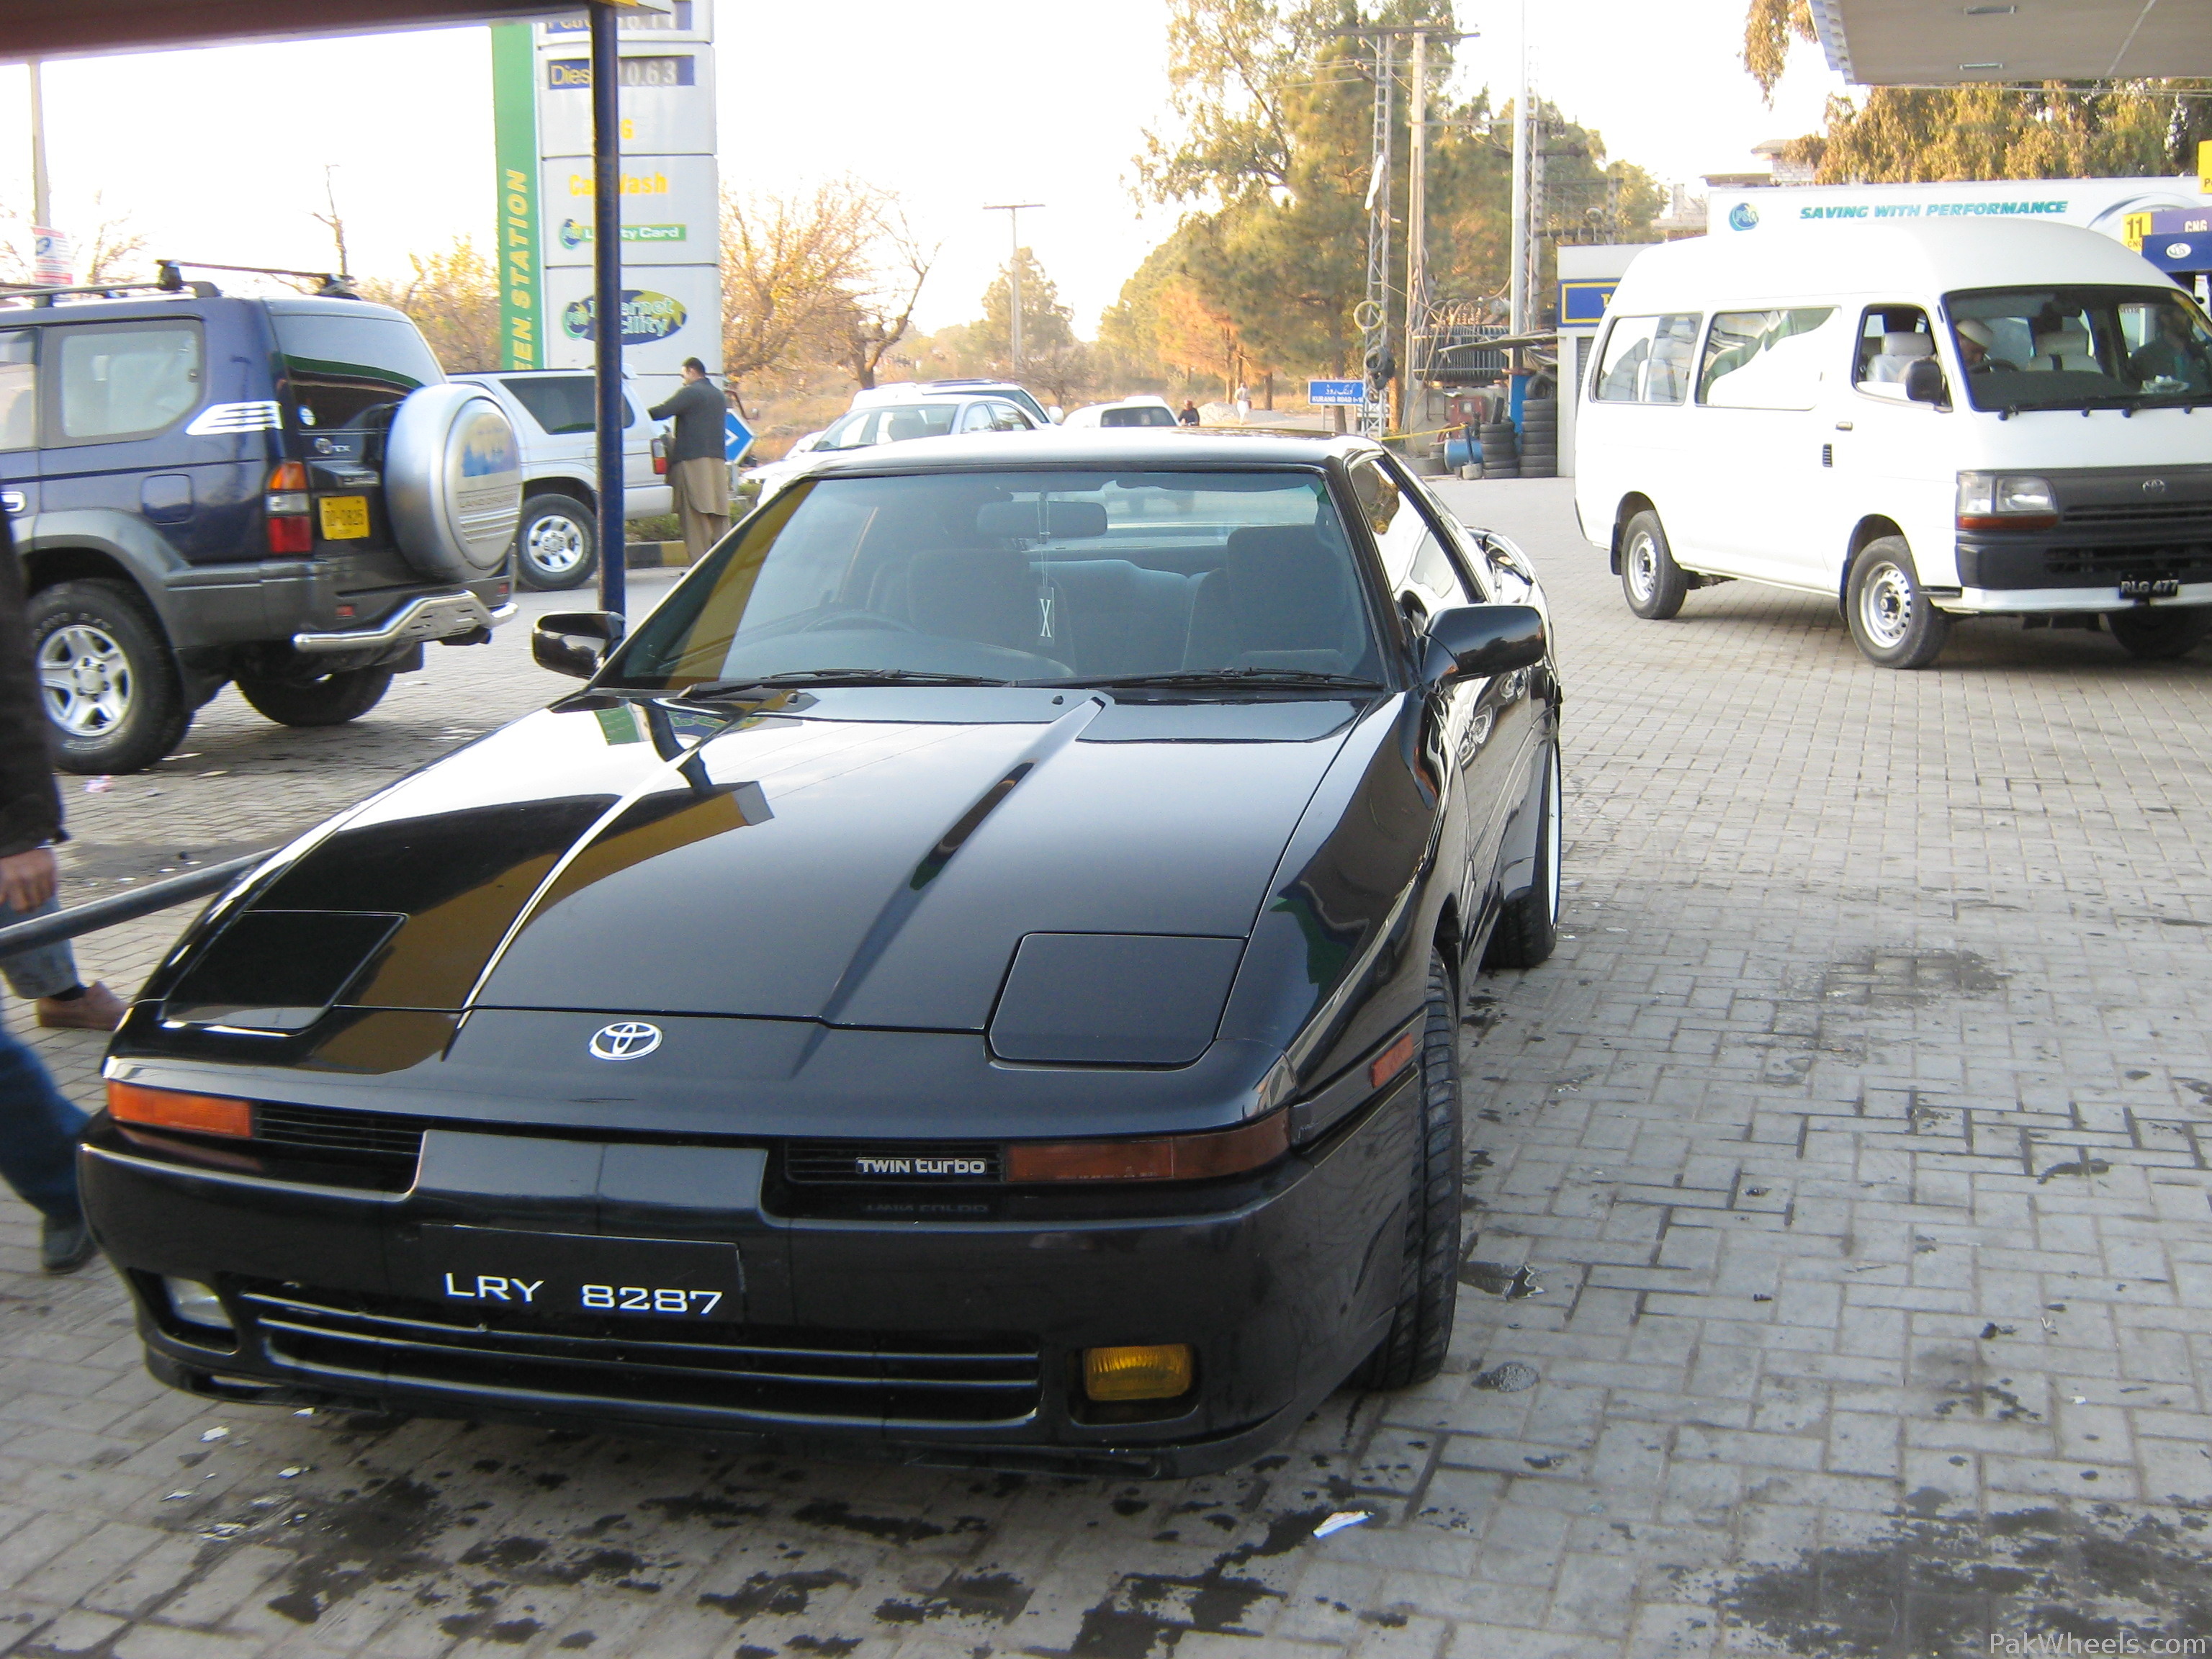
point(1159, 1371)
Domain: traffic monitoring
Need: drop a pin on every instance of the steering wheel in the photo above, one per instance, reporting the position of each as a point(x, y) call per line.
point(858, 618)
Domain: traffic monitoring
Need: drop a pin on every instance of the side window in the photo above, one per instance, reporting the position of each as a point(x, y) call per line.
point(1766, 359)
point(19, 390)
point(1418, 568)
point(126, 379)
point(979, 419)
point(1890, 338)
point(1647, 359)
point(1005, 417)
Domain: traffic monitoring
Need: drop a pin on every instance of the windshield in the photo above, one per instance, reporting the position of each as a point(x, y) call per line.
point(864, 427)
point(1021, 576)
point(2072, 347)
point(341, 371)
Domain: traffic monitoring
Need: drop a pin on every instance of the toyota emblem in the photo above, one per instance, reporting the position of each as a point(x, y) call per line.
point(626, 1039)
point(2154, 486)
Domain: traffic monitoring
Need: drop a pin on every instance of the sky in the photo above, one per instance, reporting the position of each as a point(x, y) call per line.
point(220, 155)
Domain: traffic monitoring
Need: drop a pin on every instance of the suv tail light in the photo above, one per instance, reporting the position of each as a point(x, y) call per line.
point(291, 529)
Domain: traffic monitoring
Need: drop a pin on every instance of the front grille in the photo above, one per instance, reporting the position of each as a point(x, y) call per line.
point(349, 1339)
point(2139, 512)
point(2190, 562)
point(901, 1162)
point(379, 1135)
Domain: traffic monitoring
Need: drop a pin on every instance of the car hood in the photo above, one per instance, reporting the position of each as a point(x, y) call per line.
point(865, 858)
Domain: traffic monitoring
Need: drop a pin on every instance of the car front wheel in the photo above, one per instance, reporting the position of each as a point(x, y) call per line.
point(556, 545)
point(1889, 613)
point(1420, 1330)
point(109, 682)
point(326, 700)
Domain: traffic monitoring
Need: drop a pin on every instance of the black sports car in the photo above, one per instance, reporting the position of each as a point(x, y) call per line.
point(973, 977)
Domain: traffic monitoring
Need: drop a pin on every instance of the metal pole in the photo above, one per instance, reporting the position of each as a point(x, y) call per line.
point(1013, 212)
point(41, 206)
point(1517, 292)
point(1374, 330)
point(1417, 226)
point(606, 303)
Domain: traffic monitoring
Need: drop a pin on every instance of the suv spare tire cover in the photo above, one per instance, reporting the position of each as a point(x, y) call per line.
point(453, 480)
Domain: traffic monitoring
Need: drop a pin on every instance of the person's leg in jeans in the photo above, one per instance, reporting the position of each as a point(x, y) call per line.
point(37, 1152)
point(47, 975)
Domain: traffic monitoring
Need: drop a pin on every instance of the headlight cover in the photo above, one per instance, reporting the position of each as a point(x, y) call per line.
point(2006, 501)
point(1113, 999)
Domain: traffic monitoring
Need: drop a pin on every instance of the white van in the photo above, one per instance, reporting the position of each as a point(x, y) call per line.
point(1920, 420)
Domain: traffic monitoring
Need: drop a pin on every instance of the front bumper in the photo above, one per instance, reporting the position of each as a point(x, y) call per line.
point(922, 1336)
point(2080, 568)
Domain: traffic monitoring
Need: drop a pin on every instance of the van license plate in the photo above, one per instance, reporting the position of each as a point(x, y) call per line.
point(2165, 587)
point(346, 518)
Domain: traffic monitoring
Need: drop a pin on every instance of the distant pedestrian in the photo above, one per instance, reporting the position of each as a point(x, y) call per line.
point(1243, 401)
point(1188, 415)
point(698, 475)
point(38, 1128)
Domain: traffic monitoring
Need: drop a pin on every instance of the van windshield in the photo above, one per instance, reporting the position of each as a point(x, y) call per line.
point(2080, 347)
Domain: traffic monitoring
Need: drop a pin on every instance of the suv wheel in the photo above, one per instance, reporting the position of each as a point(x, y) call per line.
point(330, 700)
point(556, 545)
point(1428, 1285)
point(109, 682)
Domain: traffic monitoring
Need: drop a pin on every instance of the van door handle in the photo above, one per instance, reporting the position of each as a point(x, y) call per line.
point(1843, 426)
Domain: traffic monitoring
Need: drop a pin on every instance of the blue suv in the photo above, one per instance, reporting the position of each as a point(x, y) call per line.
point(205, 487)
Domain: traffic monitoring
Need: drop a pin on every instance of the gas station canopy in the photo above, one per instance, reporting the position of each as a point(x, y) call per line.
point(1912, 43)
point(79, 27)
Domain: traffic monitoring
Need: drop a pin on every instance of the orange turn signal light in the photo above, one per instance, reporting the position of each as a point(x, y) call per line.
point(287, 476)
point(1159, 1370)
point(1391, 1061)
point(173, 1109)
point(1172, 1158)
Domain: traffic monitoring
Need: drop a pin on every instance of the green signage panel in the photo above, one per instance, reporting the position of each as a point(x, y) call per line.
point(515, 133)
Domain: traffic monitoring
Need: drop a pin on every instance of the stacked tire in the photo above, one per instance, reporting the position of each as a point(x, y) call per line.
point(1501, 450)
point(1540, 438)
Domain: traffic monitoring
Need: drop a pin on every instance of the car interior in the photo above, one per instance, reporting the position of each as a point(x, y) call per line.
point(993, 576)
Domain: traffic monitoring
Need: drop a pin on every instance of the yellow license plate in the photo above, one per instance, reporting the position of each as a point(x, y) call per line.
point(346, 518)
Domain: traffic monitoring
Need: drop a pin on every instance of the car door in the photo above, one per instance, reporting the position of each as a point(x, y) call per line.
point(19, 429)
point(1632, 437)
point(1888, 452)
point(1758, 434)
point(114, 400)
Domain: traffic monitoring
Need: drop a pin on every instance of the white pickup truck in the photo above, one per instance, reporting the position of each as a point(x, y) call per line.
point(557, 543)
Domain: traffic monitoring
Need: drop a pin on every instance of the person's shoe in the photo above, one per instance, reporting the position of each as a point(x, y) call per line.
point(98, 1010)
point(65, 1246)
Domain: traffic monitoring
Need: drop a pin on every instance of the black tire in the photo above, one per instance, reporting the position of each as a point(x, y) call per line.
point(1653, 584)
point(108, 678)
point(2154, 636)
point(1528, 930)
point(1412, 1351)
point(1890, 617)
point(329, 699)
point(556, 545)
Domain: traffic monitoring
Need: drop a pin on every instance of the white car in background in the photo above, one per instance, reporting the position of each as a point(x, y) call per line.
point(902, 392)
point(555, 416)
point(892, 422)
point(1145, 409)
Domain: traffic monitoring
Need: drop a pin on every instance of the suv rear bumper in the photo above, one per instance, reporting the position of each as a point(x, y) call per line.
point(432, 617)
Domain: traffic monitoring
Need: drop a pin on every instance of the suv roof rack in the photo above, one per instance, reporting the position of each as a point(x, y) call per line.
point(336, 285)
point(40, 294)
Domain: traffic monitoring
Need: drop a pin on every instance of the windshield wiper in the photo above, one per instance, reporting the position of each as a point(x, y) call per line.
point(1231, 677)
point(707, 690)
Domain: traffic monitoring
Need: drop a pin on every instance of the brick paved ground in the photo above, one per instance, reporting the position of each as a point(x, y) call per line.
point(1840, 1279)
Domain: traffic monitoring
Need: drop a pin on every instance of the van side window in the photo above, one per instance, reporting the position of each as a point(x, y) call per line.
point(1647, 359)
point(18, 389)
point(128, 380)
point(1890, 337)
point(1767, 359)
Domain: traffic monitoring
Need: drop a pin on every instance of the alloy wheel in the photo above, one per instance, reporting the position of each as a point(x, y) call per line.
point(555, 545)
point(86, 680)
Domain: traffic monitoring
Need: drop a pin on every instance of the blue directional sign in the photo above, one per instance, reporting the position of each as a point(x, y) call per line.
point(737, 436)
point(1336, 391)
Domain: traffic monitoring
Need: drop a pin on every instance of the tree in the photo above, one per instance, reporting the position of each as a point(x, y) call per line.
point(452, 295)
point(879, 307)
point(1047, 325)
point(2060, 129)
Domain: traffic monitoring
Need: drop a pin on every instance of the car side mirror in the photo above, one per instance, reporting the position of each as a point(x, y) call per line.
point(1054, 411)
point(1924, 383)
point(1477, 641)
point(573, 642)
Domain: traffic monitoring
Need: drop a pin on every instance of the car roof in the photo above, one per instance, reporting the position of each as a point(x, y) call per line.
point(1118, 449)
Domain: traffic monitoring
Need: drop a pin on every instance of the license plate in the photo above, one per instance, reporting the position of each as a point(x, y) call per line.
point(346, 518)
point(493, 1269)
point(2164, 587)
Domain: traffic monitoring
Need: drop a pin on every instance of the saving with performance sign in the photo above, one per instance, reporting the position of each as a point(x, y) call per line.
point(1928, 209)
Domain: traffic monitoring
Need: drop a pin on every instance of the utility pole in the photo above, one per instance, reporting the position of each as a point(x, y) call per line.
point(1417, 231)
point(1517, 290)
point(1374, 314)
point(42, 206)
point(1013, 212)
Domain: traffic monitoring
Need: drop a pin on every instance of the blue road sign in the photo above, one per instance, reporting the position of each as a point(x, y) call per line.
point(1336, 391)
point(737, 436)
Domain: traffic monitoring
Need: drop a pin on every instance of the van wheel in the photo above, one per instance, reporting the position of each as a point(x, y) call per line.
point(1652, 581)
point(1528, 929)
point(329, 699)
point(1428, 1283)
point(2154, 635)
point(1889, 616)
point(556, 545)
point(109, 683)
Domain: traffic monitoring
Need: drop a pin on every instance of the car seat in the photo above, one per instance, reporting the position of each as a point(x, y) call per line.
point(1281, 598)
point(2065, 348)
point(1898, 352)
point(985, 595)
